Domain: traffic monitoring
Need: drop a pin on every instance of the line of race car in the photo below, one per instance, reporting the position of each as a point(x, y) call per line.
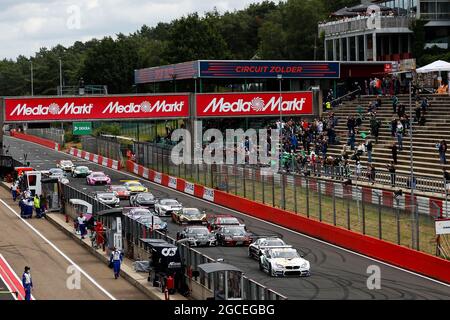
point(275, 257)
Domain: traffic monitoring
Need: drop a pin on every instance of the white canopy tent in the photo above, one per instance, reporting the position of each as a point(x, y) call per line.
point(437, 66)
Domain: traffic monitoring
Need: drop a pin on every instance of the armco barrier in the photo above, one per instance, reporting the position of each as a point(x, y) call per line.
point(44, 142)
point(110, 163)
point(382, 250)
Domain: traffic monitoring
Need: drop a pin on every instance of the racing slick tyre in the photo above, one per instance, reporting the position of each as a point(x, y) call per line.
point(271, 271)
point(250, 255)
point(261, 266)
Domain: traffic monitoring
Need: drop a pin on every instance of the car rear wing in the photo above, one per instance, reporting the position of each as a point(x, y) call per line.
point(275, 247)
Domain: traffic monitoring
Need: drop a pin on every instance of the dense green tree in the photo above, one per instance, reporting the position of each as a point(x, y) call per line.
point(192, 38)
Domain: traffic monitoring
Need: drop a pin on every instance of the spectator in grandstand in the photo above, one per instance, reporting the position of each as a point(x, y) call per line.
point(375, 126)
point(425, 104)
point(446, 179)
point(442, 152)
point(351, 140)
point(443, 88)
point(394, 150)
point(394, 103)
point(401, 110)
point(379, 102)
point(399, 132)
point(369, 148)
point(391, 168)
point(397, 86)
point(422, 119)
point(361, 149)
point(393, 126)
point(371, 173)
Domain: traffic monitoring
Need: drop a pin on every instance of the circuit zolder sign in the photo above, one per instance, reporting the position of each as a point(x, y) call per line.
point(254, 104)
point(93, 108)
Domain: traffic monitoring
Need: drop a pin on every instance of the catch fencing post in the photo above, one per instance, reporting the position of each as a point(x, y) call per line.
point(307, 196)
point(319, 185)
point(263, 178)
point(363, 207)
point(273, 191)
point(253, 183)
point(398, 220)
point(295, 194)
point(379, 217)
point(334, 206)
point(348, 213)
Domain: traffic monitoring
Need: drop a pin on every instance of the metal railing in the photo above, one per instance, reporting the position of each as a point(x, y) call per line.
point(134, 230)
point(359, 24)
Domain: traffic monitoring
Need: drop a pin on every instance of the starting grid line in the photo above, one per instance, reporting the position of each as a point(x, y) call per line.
point(11, 280)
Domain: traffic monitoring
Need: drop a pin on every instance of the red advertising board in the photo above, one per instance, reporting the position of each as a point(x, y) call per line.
point(254, 104)
point(93, 108)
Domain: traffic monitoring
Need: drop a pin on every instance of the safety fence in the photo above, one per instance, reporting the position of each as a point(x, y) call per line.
point(53, 134)
point(103, 147)
point(133, 231)
point(384, 214)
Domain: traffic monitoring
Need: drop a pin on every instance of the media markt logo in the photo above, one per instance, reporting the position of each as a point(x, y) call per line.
point(257, 104)
point(146, 106)
point(53, 108)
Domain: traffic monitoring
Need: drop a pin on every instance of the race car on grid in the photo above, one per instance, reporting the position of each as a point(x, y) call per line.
point(96, 178)
point(280, 262)
point(256, 249)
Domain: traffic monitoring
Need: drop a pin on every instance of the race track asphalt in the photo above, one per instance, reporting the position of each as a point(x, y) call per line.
point(336, 273)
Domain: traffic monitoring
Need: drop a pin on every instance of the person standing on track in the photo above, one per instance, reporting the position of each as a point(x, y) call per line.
point(27, 283)
point(37, 206)
point(115, 261)
point(82, 225)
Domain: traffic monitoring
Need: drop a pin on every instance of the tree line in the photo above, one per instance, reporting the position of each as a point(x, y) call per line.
point(287, 30)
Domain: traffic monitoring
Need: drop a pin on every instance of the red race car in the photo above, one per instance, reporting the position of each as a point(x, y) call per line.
point(121, 192)
point(217, 221)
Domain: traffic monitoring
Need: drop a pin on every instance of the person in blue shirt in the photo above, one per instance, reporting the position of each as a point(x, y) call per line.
point(27, 283)
point(116, 260)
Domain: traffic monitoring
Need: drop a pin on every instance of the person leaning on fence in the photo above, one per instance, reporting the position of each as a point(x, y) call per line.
point(371, 173)
point(391, 168)
point(446, 179)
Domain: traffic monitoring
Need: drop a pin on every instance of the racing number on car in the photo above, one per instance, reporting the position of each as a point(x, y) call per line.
point(169, 252)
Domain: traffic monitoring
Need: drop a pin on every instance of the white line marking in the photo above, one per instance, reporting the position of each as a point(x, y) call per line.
point(272, 224)
point(60, 252)
point(15, 275)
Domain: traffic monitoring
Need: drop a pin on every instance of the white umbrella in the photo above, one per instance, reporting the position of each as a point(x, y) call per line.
point(436, 66)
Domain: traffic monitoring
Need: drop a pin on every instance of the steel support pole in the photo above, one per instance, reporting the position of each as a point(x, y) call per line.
point(380, 234)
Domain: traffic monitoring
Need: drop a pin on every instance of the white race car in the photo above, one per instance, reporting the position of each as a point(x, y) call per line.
point(65, 165)
point(280, 262)
point(256, 248)
point(165, 207)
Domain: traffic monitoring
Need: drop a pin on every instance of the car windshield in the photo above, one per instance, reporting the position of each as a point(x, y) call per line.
point(66, 163)
point(140, 211)
point(56, 171)
point(118, 188)
point(273, 243)
point(134, 184)
point(98, 175)
point(235, 230)
point(191, 212)
point(229, 220)
point(285, 254)
point(82, 169)
point(199, 231)
point(170, 203)
point(106, 195)
point(146, 197)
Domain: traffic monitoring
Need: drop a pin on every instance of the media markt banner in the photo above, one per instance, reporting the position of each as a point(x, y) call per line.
point(82, 128)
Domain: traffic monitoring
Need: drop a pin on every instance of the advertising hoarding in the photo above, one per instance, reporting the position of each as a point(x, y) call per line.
point(96, 108)
point(254, 104)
